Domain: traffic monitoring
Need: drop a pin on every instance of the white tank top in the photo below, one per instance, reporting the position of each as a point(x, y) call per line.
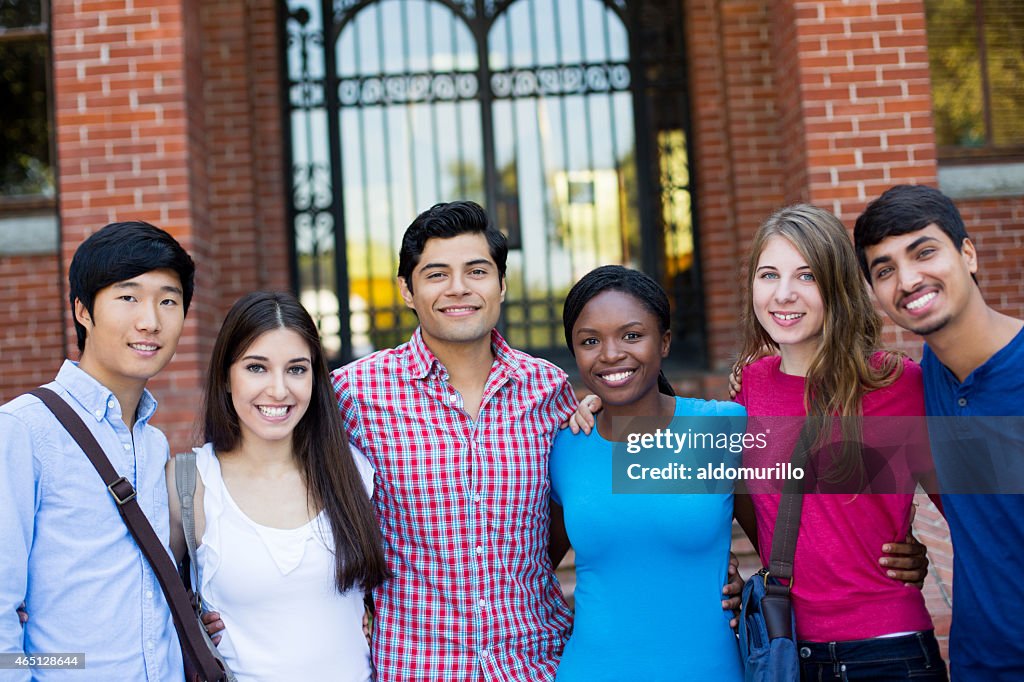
point(284, 618)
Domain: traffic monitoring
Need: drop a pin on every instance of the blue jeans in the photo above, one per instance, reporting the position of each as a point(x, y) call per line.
point(889, 659)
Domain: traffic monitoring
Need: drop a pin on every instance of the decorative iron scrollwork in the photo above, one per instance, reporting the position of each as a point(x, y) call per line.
point(576, 79)
point(408, 88)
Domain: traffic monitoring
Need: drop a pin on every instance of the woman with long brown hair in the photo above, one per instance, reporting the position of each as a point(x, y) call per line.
point(288, 542)
point(805, 301)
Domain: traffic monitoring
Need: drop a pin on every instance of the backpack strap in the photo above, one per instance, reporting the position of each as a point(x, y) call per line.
point(787, 522)
point(185, 472)
point(192, 638)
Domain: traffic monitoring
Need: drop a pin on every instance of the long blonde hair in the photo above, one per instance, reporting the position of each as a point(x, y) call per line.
point(842, 370)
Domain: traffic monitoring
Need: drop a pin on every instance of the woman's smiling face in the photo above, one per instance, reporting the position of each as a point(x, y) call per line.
point(271, 385)
point(619, 346)
point(787, 301)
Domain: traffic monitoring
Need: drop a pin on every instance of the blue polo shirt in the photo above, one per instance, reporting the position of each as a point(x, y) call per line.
point(986, 639)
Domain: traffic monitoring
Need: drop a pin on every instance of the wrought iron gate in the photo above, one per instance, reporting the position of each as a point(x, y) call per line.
point(566, 119)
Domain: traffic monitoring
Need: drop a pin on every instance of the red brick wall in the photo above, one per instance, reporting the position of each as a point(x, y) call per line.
point(242, 113)
point(864, 90)
point(997, 228)
point(789, 98)
point(739, 175)
point(31, 329)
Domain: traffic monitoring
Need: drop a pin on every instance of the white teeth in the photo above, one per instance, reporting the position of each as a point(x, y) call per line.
point(457, 310)
point(618, 376)
point(272, 411)
point(788, 316)
point(143, 346)
point(921, 302)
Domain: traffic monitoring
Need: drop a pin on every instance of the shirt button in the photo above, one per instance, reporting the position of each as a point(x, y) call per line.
point(110, 404)
point(482, 603)
point(98, 413)
point(483, 653)
point(478, 497)
point(149, 594)
point(962, 402)
point(479, 549)
point(127, 446)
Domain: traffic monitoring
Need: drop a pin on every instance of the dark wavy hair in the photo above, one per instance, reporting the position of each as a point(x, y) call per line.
point(333, 483)
point(444, 221)
point(617, 278)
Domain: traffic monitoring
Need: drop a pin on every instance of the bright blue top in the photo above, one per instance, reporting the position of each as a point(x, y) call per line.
point(66, 551)
point(987, 530)
point(649, 568)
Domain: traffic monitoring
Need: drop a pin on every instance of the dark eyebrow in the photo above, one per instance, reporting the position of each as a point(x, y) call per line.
point(588, 330)
point(920, 240)
point(260, 358)
point(469, 263)
point(910, 247)
point(879, 261)
point(135, 285)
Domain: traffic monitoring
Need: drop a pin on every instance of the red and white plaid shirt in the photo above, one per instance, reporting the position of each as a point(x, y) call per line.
point(463, 506)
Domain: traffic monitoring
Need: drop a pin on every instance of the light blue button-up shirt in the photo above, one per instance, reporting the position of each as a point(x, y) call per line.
point(64, 549)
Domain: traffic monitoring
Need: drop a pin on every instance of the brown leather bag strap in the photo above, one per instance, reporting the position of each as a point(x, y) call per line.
point(189, 632)
point(787, 522)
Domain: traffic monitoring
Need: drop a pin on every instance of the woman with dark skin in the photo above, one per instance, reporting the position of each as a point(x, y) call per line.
point(616, 325)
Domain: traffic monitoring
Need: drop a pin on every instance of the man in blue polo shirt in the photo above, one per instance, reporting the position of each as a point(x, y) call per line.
point(915, 252)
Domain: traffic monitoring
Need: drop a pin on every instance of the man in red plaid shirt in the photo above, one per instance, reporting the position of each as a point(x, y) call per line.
point(458, 426)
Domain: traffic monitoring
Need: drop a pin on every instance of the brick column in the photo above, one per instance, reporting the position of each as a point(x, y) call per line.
point(128, 148)
point(857, 70)
point(738, 176)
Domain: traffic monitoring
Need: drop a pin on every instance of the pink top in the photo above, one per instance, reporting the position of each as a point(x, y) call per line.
point(840, 592)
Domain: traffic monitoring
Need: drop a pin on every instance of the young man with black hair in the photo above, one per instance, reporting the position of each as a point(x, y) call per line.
point(915, 252)
point(458, 426)
point(67, 553)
